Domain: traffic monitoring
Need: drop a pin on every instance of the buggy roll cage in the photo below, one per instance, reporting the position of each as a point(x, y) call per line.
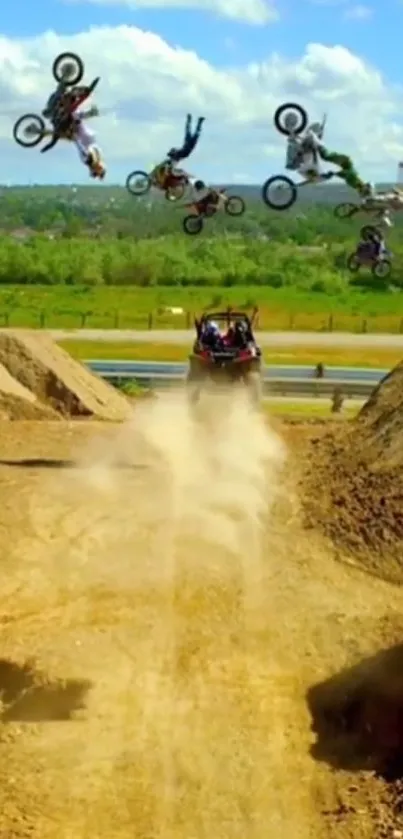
point(227, 316)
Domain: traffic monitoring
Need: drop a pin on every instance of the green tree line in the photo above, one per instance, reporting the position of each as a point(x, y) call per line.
point(111, 212)
point(179, 260)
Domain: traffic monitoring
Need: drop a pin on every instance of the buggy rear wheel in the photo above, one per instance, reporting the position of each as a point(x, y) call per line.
point(254, 385)
point(235, 206)
point(68, 67)
point(290, 118)
point(30, 134)
point(279, 192)
point(192, 224)
point(138, 183)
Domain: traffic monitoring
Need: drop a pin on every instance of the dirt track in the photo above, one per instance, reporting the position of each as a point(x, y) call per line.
point(172, 646)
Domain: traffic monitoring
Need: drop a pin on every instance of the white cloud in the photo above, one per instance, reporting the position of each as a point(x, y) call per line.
point(147, 87)
point(254, 12)
point(358, 13)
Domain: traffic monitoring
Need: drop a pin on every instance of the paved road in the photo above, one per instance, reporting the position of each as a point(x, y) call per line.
point(175, 369)
point(266, 339)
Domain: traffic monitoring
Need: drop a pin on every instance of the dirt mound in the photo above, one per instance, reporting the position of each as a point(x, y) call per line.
point(357, 716)
point(354, 490)
point(39, 367)
point(19, 403)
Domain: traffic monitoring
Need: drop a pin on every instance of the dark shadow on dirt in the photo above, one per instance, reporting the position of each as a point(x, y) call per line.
point(27, 695)
point(357, 716)
point(48, 463)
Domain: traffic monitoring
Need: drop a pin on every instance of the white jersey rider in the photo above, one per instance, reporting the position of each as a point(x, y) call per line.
point(307, 152)
point(85, 142)
point(76, 131)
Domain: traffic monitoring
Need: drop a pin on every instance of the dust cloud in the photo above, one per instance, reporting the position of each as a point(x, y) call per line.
point(151, 564)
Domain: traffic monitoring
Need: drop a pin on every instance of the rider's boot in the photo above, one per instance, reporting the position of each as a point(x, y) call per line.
point(96, 166)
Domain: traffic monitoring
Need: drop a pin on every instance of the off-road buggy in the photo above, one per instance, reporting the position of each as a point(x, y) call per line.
point(225, 351)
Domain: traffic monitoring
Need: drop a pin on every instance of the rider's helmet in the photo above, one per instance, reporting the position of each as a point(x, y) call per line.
point(199, 185)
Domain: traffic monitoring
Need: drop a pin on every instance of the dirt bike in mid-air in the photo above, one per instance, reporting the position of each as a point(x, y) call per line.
point(207, 206)
point(172, 183)
point(225, 351)
point(68, 71)
point(280, 192)
point(371, 253)
point(380, 205)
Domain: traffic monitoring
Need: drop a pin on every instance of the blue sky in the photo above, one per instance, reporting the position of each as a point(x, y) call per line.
point(147, 84)
point(378, 38)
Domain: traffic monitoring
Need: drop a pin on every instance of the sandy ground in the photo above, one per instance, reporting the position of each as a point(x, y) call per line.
point(163, 619)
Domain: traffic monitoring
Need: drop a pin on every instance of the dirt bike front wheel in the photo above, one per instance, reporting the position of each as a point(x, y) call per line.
point(290, 118)
point(279, 192)
point(175, 193)
point(382, 269)
point(68, 67)
point(343, 211)
point(138, 183)
point(28, 131)
point(192, 225)
point(235, 206)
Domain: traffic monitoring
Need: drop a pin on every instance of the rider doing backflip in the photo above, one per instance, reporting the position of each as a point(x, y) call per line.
point(311, 151)
point(175, 155)
point(74, 129)
point(190, 141)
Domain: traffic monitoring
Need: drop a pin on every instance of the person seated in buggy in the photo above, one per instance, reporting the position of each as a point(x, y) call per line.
point(74, 129)
point(211, 336)
point(237, 337)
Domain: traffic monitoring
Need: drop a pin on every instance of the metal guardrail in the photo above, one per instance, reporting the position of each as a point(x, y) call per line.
point(277, 387)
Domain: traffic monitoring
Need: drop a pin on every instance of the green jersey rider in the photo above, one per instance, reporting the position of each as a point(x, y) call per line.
point(310, 152)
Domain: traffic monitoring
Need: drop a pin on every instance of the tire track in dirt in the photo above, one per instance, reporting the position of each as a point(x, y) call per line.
point(184, 591)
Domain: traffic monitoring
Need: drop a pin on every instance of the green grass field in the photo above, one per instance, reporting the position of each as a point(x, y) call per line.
point(317, 409)
point(125, 307)
point(338, 357)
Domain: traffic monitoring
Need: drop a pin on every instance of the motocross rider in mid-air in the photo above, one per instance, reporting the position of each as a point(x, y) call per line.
point(191, 138)
point(312, 152)
point(74, 129)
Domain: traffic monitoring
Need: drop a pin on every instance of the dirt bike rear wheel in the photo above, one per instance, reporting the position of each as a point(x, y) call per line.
point(69, 61)
point(346, 210)
point(294, 115)
point(175, 193)
point(280, 184)
point(138, 183)
point(25, 140)
point(353, 263)
point(382, 269)
point(235, 206)
point(192, 224)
